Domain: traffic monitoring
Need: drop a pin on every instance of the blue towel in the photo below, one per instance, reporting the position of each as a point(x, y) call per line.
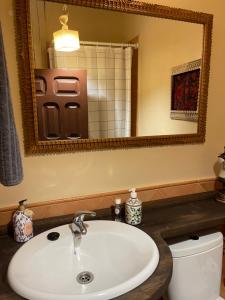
point(11, 171)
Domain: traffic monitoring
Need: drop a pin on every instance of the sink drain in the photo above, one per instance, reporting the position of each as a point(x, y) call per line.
point(85, 277)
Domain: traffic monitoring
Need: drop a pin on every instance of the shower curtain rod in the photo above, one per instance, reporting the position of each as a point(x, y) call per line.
point(108, 44)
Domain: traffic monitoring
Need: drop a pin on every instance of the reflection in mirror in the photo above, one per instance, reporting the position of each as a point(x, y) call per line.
point(185, 91)
point(129, 61)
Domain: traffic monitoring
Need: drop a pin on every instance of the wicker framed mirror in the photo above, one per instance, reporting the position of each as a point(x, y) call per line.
point(28, 86)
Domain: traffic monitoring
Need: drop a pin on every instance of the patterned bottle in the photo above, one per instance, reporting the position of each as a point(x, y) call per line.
point(22, 223)
point(133, 209)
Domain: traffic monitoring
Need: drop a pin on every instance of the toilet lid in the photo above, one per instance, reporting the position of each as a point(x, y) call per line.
point(194, 246)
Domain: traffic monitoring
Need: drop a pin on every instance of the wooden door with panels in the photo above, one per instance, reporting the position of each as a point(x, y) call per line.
point(62, 105)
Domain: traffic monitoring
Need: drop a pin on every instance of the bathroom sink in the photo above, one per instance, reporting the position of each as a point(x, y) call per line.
point(113, 258)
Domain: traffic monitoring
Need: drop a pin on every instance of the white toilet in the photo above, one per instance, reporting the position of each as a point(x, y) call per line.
point(197, 268)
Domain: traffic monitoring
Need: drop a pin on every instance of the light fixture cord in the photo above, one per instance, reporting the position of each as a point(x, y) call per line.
point(63, 19)
point(65, 9)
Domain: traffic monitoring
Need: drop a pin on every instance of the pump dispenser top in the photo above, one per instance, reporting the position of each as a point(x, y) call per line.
point(133, 197)
point(133, 193)
point(22, 204)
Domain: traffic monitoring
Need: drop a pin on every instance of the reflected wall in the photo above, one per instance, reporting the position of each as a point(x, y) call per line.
point(163, 44)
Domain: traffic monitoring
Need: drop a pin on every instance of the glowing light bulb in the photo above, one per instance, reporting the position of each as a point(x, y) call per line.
point(66, 40)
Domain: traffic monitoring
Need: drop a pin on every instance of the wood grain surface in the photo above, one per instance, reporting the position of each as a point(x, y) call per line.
point(163, 219)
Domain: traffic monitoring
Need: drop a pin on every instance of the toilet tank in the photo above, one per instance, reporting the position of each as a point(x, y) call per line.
point(197, 267)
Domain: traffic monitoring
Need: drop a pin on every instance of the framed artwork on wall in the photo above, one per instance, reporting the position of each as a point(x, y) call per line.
point(185, 91)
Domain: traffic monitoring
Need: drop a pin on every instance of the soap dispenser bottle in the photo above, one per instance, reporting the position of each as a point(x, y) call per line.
point(133, 209)
point(22, 223)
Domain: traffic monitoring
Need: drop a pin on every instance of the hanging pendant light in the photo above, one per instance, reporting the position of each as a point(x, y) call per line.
point(65, 39)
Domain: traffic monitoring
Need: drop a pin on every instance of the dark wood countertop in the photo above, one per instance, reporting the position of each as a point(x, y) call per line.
point(162, 219)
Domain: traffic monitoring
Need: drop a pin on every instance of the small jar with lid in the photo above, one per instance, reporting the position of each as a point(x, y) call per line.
point(118, 210)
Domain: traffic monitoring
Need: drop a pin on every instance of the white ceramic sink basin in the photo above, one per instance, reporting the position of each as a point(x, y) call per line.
point(119, 256)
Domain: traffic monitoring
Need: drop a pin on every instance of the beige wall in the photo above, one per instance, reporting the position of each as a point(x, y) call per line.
point(93, 25)
point(164, 44)
point(39, 34)
point(89, 22)
point(57, 176)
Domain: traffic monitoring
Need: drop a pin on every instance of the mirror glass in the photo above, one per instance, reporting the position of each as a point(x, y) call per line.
point(141, 73)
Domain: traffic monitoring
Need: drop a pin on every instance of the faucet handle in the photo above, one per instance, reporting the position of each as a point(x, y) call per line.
point(79, 216)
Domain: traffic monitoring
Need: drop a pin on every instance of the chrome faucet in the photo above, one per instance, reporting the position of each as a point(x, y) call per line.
point(78, 227)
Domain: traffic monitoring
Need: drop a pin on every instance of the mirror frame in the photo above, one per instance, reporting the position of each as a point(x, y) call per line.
point(27, 85)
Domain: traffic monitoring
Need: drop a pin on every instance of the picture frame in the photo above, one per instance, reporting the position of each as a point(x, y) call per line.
point(26, 66)
point(185, 81)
